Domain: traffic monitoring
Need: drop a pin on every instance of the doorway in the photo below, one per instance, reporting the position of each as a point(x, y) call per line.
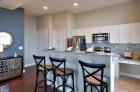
point(42, 41)
point(59, 39)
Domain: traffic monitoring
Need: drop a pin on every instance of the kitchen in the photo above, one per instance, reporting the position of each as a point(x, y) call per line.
point(72, 25)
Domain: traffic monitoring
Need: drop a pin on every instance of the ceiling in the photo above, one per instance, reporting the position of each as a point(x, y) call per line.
point(35, 7)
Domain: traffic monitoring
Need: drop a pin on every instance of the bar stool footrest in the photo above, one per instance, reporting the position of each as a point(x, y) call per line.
point(43, 81)
point(66, 86)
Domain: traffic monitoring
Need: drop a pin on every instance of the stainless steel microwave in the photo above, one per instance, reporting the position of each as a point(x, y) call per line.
point(100, 38)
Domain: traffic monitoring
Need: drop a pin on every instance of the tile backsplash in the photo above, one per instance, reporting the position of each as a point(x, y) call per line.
point(119, 48)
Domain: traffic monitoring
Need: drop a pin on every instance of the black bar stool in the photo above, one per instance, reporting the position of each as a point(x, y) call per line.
point(44, 69)
point(94, 79)
point(63, 73)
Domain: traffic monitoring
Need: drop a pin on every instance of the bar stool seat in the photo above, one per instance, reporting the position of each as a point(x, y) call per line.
point(49, 67)
point(90, 79)
point(61, 71)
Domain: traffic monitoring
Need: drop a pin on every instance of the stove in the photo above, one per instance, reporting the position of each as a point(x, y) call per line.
point(106, 49)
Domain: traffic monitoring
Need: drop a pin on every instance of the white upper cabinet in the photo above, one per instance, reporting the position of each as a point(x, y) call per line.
point(75, 32)
point(114, 34)
point(135, 33)
point(79, 32)
point(96, 30)
point(105, 29)
point(89, 35)
point(124, 33)
point(82, 32)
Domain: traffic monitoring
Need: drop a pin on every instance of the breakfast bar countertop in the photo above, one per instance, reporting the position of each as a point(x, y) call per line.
point(88, 53)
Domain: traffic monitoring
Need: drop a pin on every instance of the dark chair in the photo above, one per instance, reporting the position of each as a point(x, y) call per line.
point(44, 69)
point(93, 79)
point(63, 73)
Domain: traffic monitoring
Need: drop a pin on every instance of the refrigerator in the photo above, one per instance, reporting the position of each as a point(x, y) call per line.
point(76, 42)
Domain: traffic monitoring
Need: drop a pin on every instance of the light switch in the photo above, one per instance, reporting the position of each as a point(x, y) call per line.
point(20, 47)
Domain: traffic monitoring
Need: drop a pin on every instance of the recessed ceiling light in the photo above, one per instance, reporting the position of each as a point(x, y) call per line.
point(75, 4)
point(45, 7)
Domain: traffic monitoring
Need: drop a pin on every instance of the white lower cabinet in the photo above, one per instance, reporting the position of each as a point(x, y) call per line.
point(89, 35)
point(114, 34)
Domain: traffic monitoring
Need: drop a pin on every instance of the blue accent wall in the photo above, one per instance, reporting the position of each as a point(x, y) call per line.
point(12, 21)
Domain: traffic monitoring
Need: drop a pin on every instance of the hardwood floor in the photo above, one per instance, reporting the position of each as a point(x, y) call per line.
point(127, 84)
point(26, 83)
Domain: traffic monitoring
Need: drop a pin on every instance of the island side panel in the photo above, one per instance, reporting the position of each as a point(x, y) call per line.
point(73, 63)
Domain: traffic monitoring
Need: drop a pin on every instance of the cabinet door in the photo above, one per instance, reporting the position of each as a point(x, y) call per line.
point(75, 32)
point(134, 33)
point(105, 29)
point(89, 35)
point(124, 33)
point(15, 67)
point(82, 32)
point(114, 34)
point(4, 69)
point(96, 30)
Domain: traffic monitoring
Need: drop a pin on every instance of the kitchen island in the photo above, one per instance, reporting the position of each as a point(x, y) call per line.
point(72, 61)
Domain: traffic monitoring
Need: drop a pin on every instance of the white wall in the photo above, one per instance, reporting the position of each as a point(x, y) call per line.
point(71, 24)
point(50, 30)
point(60, 21)
point(117, 14)
point(29, 39)
point(43, 22)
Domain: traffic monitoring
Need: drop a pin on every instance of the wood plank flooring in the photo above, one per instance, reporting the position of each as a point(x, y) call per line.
point(127, 84)
point(26, 83)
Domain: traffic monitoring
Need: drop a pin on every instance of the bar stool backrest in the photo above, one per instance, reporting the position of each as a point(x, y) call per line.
point(40, 61)
point(59, 62)
point(98, 68)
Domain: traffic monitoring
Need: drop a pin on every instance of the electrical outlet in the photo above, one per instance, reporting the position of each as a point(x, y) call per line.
point(20, 47)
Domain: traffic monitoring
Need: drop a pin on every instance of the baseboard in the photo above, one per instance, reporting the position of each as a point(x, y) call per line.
point(29, 64)
point(131, 75)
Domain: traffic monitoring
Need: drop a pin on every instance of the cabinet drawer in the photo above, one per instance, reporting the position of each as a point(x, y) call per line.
point(4, 69)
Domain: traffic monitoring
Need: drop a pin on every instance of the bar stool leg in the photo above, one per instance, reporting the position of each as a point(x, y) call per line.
point(85, 88)
point(36, 81)
point(91, 88)
point(54, 78)
point(73, 81)
point(63, 83)
point(106, 88)
point(45, 81)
